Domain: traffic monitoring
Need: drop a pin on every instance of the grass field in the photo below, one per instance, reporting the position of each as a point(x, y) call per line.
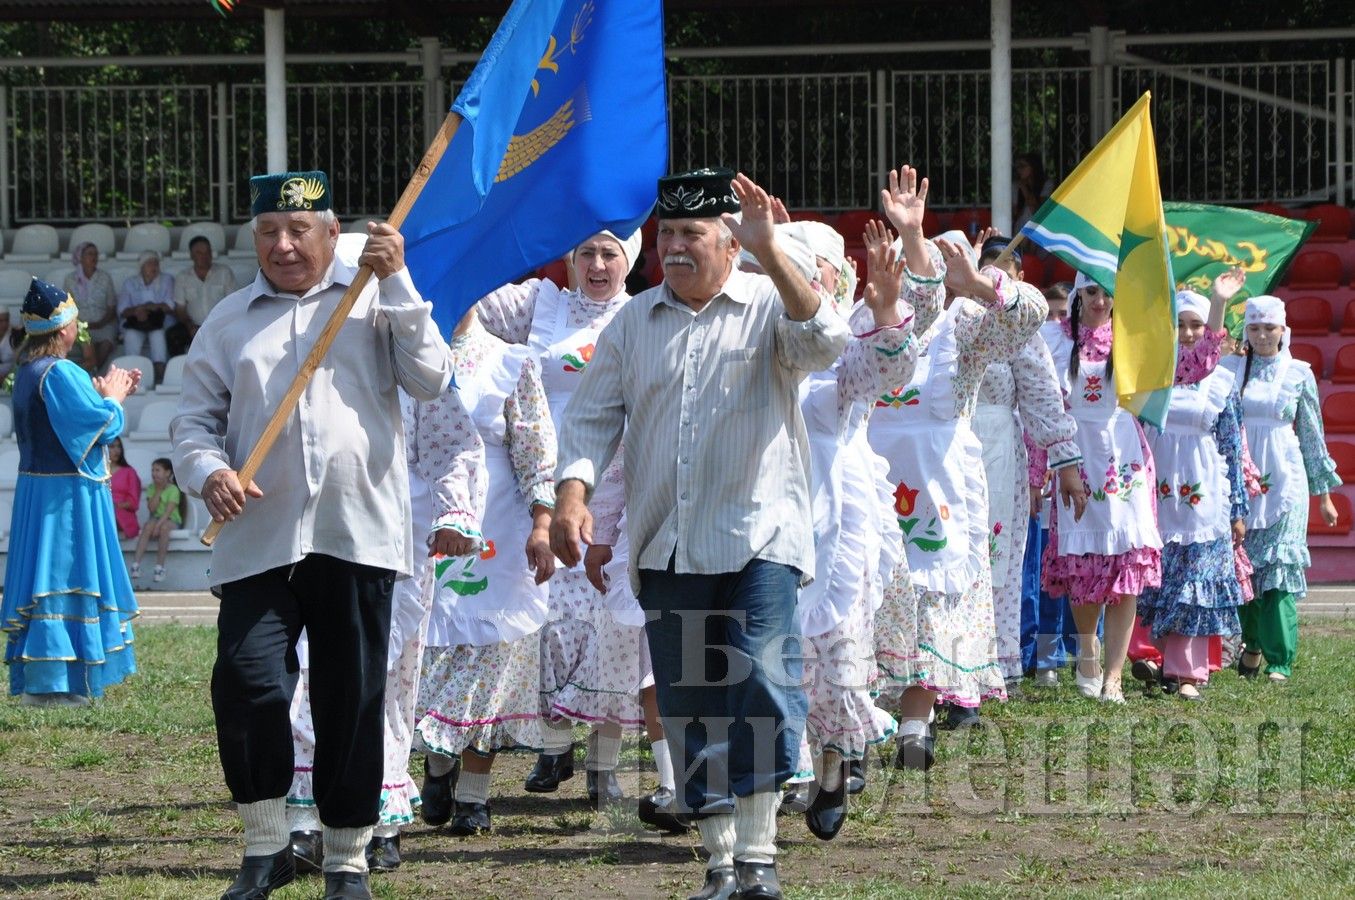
point(1249, 794)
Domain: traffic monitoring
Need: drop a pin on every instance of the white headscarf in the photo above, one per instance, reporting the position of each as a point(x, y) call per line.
point(1190, 301)
point(630, 246)
point(827, 243)
point(956, 236)
point(796, 250)
point(1265, 310)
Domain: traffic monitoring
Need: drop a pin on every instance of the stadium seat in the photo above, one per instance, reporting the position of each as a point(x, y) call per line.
point(1344, 455)
point(9, 467)
point(6, 423)
point(1333, 222)
point(357, 226)
point(1348, 320)
point(14, 287)
point(34, 243)
point(971, 221)
point(557, 272)
point(1274, 209)
point(649, 234)
point(1338, 413)
point(139, 362)
point(98, 234)
point(1034, 270)
point(154, 422)
point(214, 233)
point(1312, 355)
point(1343, 511)
point(1315, 269)
point(145, 236)
point(1343, 367)
point(172, 382)
point(1308, 316)
point(931, 224)
point(1061, 272)
point(57, 276)
point(852, 225)
point(244, 242)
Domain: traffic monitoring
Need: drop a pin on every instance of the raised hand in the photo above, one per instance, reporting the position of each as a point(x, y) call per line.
point(905, 200)
point(1227, 284)
point(780, 215)
point(754, 232)
point(884, 274)
point(981, 239)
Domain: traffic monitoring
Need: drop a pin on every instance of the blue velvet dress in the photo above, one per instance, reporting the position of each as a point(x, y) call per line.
point(68, 602)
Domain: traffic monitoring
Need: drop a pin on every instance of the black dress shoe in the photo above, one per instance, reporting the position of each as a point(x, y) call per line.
point(756, 881)
point(1170, 685)
point(856, 776)
point(1245, 670)
point(958, 717)
point(794, 799)
point(1146, 670)
point(550, 770)
point(436, 794)
point(383, 854)
point(916, 751)
point(604, 786)
point(262, 875)
point(308, 850)
point(470, 819)
point(720, 885)
point(656, 812)
point(826, 814)
point(347, 886)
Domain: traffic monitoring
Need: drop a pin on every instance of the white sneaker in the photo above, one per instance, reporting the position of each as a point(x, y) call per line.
point(1089, 686)
point(134, 572)
point(1047, 678)
point(1277, 676)
point(159, 574)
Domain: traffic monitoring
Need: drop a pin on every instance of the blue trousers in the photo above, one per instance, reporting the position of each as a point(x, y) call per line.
point(729, 676)
point(1048, 633)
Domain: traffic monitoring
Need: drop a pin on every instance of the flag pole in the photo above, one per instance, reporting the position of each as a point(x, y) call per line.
point(1008, 250)
point(416, 184)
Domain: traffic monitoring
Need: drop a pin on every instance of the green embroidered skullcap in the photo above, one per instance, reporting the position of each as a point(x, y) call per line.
point(289, 192)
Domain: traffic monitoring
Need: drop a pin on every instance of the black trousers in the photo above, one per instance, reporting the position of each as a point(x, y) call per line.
point(346, 611)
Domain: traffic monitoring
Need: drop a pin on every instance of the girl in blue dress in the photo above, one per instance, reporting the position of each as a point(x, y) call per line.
point(68, 602)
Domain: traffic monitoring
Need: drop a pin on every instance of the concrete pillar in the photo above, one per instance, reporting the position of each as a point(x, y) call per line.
point(1001, 114)
point(275, 88)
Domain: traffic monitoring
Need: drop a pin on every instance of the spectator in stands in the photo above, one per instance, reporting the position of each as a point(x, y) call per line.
point(126, 484)
point(165, 506)
point(93, 290)
point(146, 305)
point(196, 291)
point(325, 531)
point(7, 349)
point(1031, 188)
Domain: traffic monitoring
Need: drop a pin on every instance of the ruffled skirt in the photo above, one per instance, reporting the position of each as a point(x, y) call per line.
point(1199, 594)
point(480, 698)
point(1098, 578)
point(1279, 554)
point(840, 671)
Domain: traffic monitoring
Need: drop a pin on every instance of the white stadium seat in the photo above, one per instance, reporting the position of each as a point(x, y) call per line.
point(34, 243)
point(214, 233)
point(139, 362)
point(6, 423)
point(14, 287)
point(244, 242)
point(154, 422)
point(172, 382)
point(9, 467)
point(98, 234)
point(145, 236)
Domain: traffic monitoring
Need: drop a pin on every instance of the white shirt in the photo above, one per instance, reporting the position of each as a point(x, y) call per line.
point(200, 295)
point(335, 482)
point(717, 459)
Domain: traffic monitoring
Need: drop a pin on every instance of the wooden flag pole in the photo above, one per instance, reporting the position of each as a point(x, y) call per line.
point(1008, 250)
point(284, 411)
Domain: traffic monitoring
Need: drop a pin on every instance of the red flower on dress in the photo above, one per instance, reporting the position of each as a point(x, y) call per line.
point(489, 552)
point(905, 498)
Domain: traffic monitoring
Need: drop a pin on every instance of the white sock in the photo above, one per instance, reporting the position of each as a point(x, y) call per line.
point(303, 818)
point(717, 834)
point(265, 826)
point(755, 827)
point(439, 765)
point(608, 753)
point(472, 787)
point(346, 849)
point(913, 726)
point(663, 761)
point(386, 831)
point(556, 737)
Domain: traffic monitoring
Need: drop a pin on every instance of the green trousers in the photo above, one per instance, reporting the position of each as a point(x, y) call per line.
point(1270, 625)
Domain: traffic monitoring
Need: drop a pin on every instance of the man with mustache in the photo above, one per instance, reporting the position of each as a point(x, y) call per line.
point(702, 374)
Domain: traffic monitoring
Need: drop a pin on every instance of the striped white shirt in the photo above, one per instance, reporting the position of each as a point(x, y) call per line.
point(717, 459)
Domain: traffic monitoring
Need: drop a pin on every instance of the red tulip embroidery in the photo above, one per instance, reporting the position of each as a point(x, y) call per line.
point(900, 397)
point(579, 359)
point(1092, 388)
point(930, 537)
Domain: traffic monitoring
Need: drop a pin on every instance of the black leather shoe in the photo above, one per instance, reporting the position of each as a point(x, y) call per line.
point(383, 854)
point(1145, 670)
point(794, 799)
point(347, 886)
point(1245, 670)
point(656, 812)
point(856, 776)
point(308, 850)
point(720, 885)
point(470, 819)
point(604, 786)
point(958, 717)
point(916, 751)
point(436, 794)
point(756, 881)
point(262, 875)
point(549, 771)
point(1170, 685)
point(826, 814)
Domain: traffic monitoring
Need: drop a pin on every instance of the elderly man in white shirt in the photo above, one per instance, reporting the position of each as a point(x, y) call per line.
point(319, 537)
point(197, 290)
point(702, 374)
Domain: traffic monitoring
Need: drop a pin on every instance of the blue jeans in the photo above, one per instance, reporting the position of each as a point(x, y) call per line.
point(1048, 633)
point(729, 676)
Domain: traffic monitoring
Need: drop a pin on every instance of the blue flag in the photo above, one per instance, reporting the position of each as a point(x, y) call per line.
point(564, 134)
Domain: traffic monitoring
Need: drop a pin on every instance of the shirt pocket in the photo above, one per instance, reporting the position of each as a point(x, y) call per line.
point(742, 380)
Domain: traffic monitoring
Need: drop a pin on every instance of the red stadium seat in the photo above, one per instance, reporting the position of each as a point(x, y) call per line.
point(1343, 369)
point(1348, 320)
point(1312, 355)
point(1344, 454)
point(1338, 413)
point(1061, 271)
point(649, 233)
point(654, 271)
point(931, 224)
point(1315, 269)
point(1274, 209)
point(557, 272)
point(1317, 526)
point(852, 225)
point(1309, 316)
point(1333, 222)
point(1033, 268)
point(971, 221)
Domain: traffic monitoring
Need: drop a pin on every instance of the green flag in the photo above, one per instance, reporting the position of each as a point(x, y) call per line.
point(1206, 240)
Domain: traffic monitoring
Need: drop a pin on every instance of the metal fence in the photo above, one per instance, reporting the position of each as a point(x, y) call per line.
point(1226, 133)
